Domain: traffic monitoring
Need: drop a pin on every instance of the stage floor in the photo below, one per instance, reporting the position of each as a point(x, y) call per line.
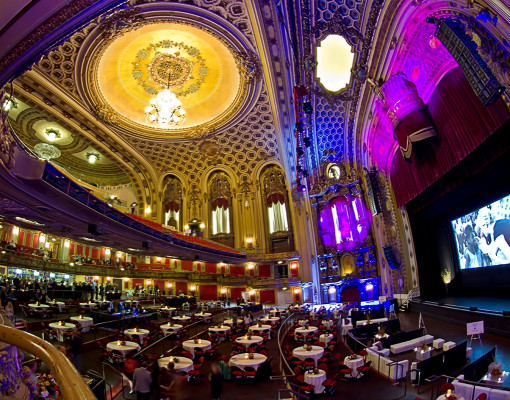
point(483, 303)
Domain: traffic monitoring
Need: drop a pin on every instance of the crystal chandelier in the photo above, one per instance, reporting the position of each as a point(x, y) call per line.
point(165, 109)
point(46, 151)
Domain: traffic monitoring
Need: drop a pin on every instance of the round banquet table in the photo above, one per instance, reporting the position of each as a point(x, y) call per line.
point(278, 310)
point(168, 310)
point(168, 329)
point(184, 364)
point(305, 332)
point(325, 338)
point(190, 345)
point(231, 321)
point(270, 320)
point(59, 304)
point(260, 329)
point(316, 379)
point(222, 329)
point(203, 315)
point(316, 353)
point(302, 322)
point(123, 349)
point(38, 306)
point(245, 342)
point(60, 329)
point(354, 364)
point(141, 333)
point(242, 361)
point(328, 323)
point(182, 318)
point(85, 322)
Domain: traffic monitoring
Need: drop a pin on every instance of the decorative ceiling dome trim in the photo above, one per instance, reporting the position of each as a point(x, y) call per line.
point(231, 69)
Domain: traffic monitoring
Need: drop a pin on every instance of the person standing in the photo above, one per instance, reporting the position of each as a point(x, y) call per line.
point(142, 381)
point(216, 380)
point(76, 344)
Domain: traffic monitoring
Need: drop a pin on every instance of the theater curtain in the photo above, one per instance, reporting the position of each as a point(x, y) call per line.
point(462, 124)
point(267, 296)
point(208, 292)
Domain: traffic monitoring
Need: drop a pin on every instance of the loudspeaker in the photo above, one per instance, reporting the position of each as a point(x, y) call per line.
point(373, 190)
point(390, 257)
point(506, 313)
point(95, 229)
point(146, 245)
point(483, 82)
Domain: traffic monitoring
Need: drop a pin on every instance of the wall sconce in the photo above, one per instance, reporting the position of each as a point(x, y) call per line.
point(47, 245)
point(148, 282)
point(296, 290)
point(202, 225)
point(158, 259)
point(107, 252)
point(108, 278)
point(293, 265)
point(251, 266)
point(67, 243)
point(251, 292)
point(15, 230)
point(193, 288)
point(332, 290)
point(249, 242)
point(223, 291)
point(169, 285)
point(96, 278)
point(148, 210)
point(126, 279)
point(369, 286)
point(119, 254)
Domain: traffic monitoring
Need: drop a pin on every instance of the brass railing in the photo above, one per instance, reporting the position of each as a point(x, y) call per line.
point(69, 380)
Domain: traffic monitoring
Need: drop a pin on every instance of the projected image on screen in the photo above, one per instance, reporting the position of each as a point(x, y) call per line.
point(483, 236)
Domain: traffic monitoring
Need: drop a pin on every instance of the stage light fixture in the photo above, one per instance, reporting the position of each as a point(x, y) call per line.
point(307, 107)
point(307, 141)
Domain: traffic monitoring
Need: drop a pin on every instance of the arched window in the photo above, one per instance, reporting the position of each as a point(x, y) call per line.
point(277, 203)
point(221, 204)
point(172, 202)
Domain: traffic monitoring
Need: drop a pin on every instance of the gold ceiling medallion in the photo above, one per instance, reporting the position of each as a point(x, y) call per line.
point(170, 64)
point(209, 148)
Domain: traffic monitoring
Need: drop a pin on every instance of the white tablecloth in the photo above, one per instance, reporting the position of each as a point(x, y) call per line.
point(457, 397)
point(270, 320)
point(123, 349)
point(231, 321)
point(354, 364)
point(38, 307)
point(326, 338)
point(328, 323)
point(168, 310)
point(85, 322)
point(302, 322)
point(190, 345)
point(316, 380)
point(245, 342)
point(60, 329)
point(316, 353)
point(203, 315)
point(142, 333)
point(279, 310)
point(184, 364)
point(91, 305)
point(305, 332)
point(260, 329)
point(223, 329)
point(182, 319)
point(372, 321)
point(168, 329)
point(59, 304)
point(242, 361)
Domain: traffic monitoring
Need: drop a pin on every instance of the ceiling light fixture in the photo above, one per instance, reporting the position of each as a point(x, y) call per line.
point(165, 108)
point(46, 151)
point(92, 157)
point(52, 134)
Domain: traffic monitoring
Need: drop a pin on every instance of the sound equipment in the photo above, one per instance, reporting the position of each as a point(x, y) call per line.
point(147, 245)
point(390, 257)
point(483, 82)
point(373, 190)
point(95, 229)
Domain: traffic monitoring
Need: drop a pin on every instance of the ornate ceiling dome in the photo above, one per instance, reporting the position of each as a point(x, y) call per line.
point(129, 60)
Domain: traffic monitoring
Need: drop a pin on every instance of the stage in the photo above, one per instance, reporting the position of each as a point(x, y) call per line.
point(464, 309)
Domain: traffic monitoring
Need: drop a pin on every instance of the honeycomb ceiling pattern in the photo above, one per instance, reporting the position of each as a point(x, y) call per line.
point(329, 118)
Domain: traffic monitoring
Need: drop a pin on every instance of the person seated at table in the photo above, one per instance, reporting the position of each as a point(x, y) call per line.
point(45, 299)
point(38, 295)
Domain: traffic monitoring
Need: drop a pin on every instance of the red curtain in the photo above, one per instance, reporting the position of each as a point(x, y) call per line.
point(236, 270)
point(265, 271)
point(36, 241)
point(210, 268)
point(219, 203)
point(172, 206)
point(21, 235)
point(350, 294)
point(95, 254)
point(186, 265)
point(462, 124)
point(181, 287)
point(71, 249)
point(275, 198)
point(208, 292)
point(267, 296)
point(137, 282)
point(235, 293)
point(79, 249)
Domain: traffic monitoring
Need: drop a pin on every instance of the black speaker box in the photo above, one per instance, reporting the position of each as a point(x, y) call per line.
point(146, 245)
point(95, 229)
point(390, 257)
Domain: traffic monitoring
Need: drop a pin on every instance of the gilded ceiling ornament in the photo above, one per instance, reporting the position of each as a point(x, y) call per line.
point(121, 22)
point(249, 65)
point(209, 148)
point(106, 114)
point(173, 65)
